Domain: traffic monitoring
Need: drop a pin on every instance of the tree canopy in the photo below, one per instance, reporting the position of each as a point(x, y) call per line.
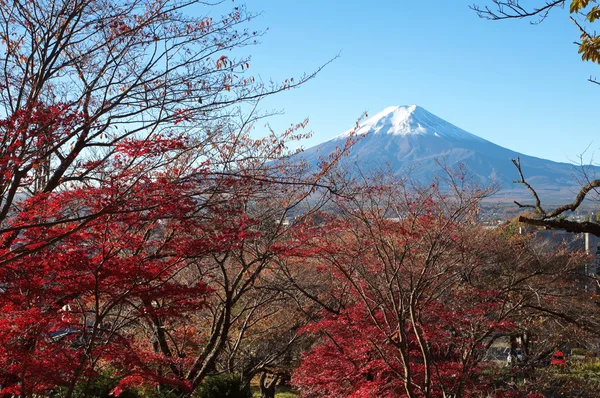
point(135, 205)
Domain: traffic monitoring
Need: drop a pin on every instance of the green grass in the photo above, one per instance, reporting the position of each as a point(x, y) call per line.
point(280, 392)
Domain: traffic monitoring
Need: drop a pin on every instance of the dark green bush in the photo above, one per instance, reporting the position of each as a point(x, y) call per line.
point(579, 351)
point(102, 384)
point(224, 386)
point(98, 387)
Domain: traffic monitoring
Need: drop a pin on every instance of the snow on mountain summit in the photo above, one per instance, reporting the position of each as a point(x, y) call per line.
point(409, 120)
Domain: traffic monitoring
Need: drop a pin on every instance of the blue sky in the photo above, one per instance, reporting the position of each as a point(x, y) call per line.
point(519, 85)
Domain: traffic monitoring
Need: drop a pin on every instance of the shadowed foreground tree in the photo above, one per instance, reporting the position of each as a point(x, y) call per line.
point(584, 14)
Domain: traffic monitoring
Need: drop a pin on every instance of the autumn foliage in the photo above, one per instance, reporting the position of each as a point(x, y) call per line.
point(148, 236)
point(426, 293)
point(128, 173)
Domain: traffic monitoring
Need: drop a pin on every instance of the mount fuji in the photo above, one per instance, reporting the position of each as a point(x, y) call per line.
point(403, 138)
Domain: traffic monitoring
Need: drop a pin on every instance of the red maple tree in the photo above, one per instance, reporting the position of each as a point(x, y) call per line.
point(126, 163)
point(426, 293)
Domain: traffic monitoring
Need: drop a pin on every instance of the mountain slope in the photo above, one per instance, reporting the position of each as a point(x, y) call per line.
point(411, 138)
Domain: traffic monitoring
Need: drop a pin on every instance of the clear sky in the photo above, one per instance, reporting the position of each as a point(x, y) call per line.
point(519, 85)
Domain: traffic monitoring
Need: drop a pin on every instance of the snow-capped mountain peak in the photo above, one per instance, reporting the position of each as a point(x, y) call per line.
point(409, 120)
point(406, 139)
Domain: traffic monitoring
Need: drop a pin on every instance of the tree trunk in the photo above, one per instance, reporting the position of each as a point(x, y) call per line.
point(267, 389)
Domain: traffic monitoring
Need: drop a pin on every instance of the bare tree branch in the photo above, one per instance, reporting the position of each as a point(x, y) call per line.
point(563, 224)
point(512, 9)
point(547, 219)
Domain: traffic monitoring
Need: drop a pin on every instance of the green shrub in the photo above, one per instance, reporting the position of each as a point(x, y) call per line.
point(98, 387)
point(102, 384)
point(152, 393)
point(579, 351)
point(224, 386)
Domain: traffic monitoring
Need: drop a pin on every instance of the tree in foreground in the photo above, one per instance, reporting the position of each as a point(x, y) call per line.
point(584, 14)
point(126, 167)
point(427, 292)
